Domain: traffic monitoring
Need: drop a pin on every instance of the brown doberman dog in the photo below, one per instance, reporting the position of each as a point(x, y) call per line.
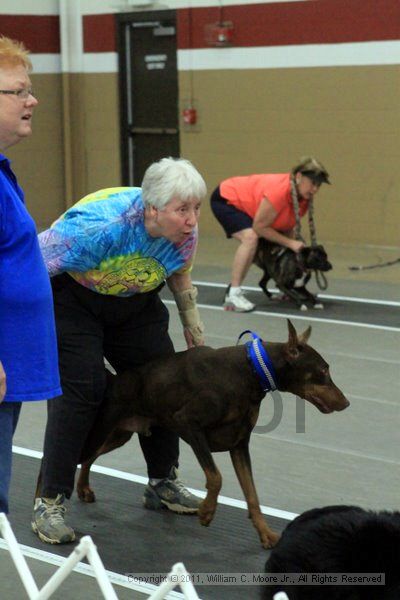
point(211, 398)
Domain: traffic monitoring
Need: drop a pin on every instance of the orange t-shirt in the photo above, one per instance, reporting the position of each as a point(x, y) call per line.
point(246, 193)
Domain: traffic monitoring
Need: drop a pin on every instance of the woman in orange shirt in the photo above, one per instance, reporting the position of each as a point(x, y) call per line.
point(265, 206)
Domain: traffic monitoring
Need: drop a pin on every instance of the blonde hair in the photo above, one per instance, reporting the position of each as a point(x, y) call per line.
point(13, 53)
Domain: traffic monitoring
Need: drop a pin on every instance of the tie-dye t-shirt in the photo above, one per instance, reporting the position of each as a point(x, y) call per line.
point(102, 243)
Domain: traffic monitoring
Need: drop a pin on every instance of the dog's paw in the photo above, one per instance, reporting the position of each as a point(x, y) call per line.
point(205, 519)
point(303, 307)
point(86, 494)
point(206, 514)
point(319, 306)
point(270, 540)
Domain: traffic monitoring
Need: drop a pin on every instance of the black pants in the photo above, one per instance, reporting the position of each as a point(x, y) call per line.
point(126, 331)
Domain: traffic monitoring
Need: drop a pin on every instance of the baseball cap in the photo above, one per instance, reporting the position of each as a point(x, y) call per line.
point(312, 168)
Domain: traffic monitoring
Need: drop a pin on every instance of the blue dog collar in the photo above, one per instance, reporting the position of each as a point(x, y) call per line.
point(261, 361)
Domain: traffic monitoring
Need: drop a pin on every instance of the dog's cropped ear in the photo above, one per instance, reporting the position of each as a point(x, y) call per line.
point(305, 336)
point(293, 341)
point(292, 350)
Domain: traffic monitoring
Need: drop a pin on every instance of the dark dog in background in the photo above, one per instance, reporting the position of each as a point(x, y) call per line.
point(334, 540)
point(211, 398)
point(290, 271)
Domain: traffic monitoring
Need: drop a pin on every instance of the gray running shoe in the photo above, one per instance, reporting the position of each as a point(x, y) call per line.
point(48, 521)
point(171, 493)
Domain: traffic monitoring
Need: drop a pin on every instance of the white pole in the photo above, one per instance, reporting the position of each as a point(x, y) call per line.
point(71, 40)
point(186, 584)
point(169, 584)
point(98, 567)
point(162, 590)
point(71, 36)
point(62, 572)
point(18, 558)
point(87, 548)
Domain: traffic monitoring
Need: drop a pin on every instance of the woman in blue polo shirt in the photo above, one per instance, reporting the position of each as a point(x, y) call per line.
point(28, 351)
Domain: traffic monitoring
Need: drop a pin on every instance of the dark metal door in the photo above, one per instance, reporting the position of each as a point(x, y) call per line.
point(149, 91)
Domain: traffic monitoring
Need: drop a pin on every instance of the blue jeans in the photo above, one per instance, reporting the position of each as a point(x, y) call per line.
point(9, 414)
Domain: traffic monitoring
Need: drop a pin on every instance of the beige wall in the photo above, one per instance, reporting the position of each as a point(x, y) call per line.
point(102, 131)
point(262, 120)
point(38, 160)
point(74, 148)
point(91, 119)
point(249, 121)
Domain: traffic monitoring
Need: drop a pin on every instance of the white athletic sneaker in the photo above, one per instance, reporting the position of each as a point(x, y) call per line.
point(236, 301)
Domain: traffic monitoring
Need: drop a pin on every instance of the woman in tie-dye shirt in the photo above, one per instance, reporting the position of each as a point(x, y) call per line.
point(108, 257)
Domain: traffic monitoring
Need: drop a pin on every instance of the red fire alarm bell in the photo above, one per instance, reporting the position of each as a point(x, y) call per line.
point(189, 116)
point(219, 34)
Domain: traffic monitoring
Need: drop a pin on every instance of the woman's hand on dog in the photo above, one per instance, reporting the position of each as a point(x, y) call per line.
point(193, 338)
point(295, 245)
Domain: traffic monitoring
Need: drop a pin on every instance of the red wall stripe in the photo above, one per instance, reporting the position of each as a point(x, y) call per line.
point(99, 33)
point(284, 23)
point(39, 33)
point(287, 23)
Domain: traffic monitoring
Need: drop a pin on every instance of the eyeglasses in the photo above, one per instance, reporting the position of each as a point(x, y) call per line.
point(22, 94)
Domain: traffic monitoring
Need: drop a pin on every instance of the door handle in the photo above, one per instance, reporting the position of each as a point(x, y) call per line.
point(154, 130)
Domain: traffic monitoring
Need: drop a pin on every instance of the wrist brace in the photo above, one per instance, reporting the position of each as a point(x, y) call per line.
point(189, 313)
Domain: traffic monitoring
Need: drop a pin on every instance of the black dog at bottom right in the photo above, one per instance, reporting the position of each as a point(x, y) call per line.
point(338, 539)
point(290, 271)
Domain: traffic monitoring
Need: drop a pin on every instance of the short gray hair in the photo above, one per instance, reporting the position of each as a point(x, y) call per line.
point(171, 178)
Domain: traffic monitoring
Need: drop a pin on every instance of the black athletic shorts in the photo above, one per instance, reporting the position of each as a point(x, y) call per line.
point(230, 218)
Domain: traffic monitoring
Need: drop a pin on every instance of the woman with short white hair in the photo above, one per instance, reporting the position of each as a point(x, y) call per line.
point(108, 256)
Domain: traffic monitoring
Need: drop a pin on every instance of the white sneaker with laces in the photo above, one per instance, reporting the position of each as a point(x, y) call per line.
point(235, 300)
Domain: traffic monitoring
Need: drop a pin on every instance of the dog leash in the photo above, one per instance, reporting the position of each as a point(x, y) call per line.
point(376, 266)
point(260, 360)
point(311, 222)
point(321, 279)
